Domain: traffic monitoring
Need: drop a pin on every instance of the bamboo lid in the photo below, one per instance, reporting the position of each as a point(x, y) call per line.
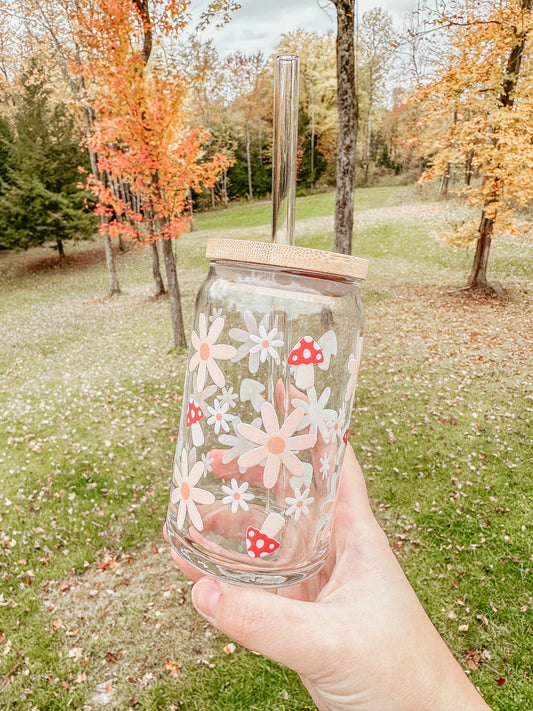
point(282, 255)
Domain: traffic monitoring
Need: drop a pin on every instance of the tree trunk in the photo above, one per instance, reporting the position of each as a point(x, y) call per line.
point(60, 249)
point(348, 109)
point(114, 289)
point(190, 208)
point(368, 138)
point(478, 275)
point(468, 168)
point(445, 181)
point(156, 272)
point(249, 164)
point(174, 293)
point(313, 129)
point(225, 187)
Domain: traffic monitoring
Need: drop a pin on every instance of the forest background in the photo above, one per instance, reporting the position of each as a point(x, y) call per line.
point(173, 141)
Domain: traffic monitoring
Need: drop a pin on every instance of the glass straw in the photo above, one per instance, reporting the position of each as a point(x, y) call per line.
point(286, 70)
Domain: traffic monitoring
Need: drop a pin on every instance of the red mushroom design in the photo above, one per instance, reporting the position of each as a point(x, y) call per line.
point(194, 415)
point(305, 355)
point(261, 542)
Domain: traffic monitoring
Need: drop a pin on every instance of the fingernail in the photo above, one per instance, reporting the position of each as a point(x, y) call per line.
point(205, 596)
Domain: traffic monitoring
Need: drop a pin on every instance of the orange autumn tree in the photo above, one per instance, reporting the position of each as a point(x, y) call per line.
point(149, 159)
point(486, 85)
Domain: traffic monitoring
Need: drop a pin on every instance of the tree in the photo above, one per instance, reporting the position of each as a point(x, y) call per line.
point(140, 131)
point(245, 74)
point(376, 46)
point(40, 200)
point(348, 108)
point(49, 26)
point(489, 81)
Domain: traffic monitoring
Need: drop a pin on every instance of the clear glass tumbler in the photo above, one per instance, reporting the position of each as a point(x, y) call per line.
point(270, 380)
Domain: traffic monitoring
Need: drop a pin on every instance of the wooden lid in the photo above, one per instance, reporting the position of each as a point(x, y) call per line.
point(282, 255)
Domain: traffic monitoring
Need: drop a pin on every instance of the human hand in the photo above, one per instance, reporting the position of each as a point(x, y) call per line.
point(355, 633)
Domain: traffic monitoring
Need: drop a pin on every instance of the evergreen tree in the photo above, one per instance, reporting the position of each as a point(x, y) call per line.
point(39, 197)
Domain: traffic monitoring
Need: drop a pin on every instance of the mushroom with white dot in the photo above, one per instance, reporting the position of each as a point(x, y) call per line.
point(261, 542)
point(194, 415)
point(305, 355)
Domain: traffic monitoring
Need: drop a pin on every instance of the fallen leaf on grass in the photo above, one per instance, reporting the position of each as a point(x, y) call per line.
point(463, 628)
point(229, 648)
point(475, 659)
point(57, 625)
point(500, 681)
point(484, 621)
point(173, 667)
point(108, 562)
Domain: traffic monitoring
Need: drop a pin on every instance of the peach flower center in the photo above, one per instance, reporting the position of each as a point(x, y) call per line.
point(204, 351)
point(185, 491)
point(276, 445)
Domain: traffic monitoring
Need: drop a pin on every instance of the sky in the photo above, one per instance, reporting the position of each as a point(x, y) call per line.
point(258, 25)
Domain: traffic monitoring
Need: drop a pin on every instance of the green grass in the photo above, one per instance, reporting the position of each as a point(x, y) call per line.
point(89, 407)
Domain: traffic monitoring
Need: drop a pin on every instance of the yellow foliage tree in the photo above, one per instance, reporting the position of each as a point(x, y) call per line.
point(487, 86)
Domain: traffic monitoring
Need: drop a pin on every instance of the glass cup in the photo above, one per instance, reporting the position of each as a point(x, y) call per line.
point(270, 380)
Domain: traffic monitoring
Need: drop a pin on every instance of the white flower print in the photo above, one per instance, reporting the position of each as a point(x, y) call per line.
point(202, 397)
point(353, 368)
point(276, 445)
point(208, 352)
point(317, 416)
point(237, 496)
point(228, 396)
point(207, 461)
point(299, 504)
point(325, 465)
point(336, 425)
point(304, 480)
point(266, 344)
point(219, 416)
point(215, 313)
point(186, 496)
point(237, 443)
point(245, 337)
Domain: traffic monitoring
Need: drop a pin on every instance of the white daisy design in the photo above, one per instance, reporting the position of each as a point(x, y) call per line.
point(237, 496)
point(237, 443)
point(336, 425)
point(219, 416)
point(245, 337)
point(208, 352)
point(186, 496)
point(215, 313)
point(353, 368)
point(325, 465)
point(266, 344)
point(276, 445)
point(207, 461)
point(227, 395)
point(299, 504)
point(317, 416)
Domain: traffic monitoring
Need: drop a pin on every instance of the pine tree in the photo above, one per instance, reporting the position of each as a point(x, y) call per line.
point(39, 198)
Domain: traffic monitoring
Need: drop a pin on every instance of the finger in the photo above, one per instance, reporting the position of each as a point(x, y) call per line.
point(352, 508)
point(251, 617)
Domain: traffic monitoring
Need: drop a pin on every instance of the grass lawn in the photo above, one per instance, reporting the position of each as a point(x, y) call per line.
point(92, 612)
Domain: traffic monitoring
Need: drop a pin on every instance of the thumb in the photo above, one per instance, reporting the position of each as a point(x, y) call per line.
point(275, 626)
